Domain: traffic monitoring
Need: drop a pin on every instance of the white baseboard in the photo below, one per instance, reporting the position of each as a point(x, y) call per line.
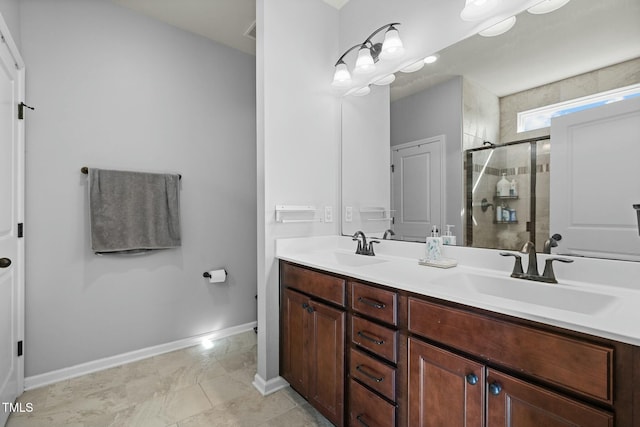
point(47, 378)
point(271, 386)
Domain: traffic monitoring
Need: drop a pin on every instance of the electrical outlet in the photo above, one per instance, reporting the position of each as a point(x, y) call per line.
point(328, 214)
point(348, 214)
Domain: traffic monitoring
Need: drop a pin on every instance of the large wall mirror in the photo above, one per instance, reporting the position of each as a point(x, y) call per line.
point(452, 131)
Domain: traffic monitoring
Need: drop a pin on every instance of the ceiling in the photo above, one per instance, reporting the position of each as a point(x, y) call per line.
point(582, 36)
point(223, 21)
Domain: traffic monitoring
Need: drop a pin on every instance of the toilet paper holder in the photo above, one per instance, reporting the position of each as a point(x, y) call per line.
point(208, 275)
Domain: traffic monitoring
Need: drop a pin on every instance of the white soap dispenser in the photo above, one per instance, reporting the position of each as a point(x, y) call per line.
point(449, 238)
point(434, 245)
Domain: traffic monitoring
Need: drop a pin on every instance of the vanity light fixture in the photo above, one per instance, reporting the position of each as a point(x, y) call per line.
point(476, 10)
point(547, 6)
point(500, 28)
point(368, 54)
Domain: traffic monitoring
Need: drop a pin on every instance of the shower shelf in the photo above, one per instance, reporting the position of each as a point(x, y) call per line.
point(506, 197)
point(505, 222)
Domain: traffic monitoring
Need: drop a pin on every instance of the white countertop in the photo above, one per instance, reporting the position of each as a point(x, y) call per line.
point(615, 282)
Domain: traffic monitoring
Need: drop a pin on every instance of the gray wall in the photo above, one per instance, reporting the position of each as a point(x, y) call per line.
point(10, 10)
point(118, 90)
point(432, 112)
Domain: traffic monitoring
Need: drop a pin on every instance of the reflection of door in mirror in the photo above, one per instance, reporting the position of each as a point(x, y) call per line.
point(416, 189)
point(596, 180)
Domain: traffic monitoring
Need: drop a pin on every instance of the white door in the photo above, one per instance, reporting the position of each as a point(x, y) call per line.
point(417, 188)
point(11, 203)
point(595, 180)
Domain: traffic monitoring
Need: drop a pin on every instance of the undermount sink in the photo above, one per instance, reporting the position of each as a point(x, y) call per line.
point(554, 296)
point(353, 260)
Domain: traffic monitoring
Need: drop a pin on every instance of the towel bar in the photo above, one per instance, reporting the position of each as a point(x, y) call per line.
point(85, 170)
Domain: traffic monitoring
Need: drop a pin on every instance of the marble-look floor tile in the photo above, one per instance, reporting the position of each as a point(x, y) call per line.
point(192, 387)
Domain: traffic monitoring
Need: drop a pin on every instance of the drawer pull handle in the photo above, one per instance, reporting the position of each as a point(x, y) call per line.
point(495, 388)
point(472, 379)
point(371, 303)
point(359, 418)
point(368, 375)
point(367, 337)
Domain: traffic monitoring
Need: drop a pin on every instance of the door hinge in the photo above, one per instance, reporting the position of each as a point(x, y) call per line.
point(393, 168)
point(20, 348)
point(20, 229)
point(21, 110)
point(393, 220)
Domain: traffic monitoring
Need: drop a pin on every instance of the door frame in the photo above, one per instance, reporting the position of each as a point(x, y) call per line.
point(19, 268)
point(440, 140)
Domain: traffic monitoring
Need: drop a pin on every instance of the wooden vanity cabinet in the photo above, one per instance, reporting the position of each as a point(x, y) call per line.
point(367, 354)
point(312, 344)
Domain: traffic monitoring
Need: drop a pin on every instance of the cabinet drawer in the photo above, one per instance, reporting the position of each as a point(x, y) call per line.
point(568, 362)
point(368, 409)
point(375, 302)
point(323, 286)
point(376, 338)
point(375, 374)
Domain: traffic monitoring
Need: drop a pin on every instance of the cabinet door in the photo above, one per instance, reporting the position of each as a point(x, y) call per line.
point(326, 361)
point(515, 403)
point(444, 389)
point(295, 319)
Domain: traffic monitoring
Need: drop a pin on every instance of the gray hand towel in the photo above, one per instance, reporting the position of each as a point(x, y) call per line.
point(133, 211)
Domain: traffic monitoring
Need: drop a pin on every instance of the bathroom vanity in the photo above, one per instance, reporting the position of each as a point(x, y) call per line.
point(367, 353)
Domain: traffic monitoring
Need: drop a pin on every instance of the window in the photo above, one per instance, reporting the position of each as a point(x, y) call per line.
point(539, 118)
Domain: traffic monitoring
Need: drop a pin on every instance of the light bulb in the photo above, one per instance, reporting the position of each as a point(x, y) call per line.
point(364, 63)
point(342, 77)
point(392, 46)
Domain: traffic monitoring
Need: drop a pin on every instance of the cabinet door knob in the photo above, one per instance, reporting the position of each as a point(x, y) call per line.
point(495, 388)
point(305, 305)
point(472, 379)
point(5, 262)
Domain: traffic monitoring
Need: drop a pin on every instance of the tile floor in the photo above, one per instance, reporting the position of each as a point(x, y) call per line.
point(193, 387)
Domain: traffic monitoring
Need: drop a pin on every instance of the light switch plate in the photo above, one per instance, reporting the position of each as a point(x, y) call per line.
point(328, 214)
point(348, 214)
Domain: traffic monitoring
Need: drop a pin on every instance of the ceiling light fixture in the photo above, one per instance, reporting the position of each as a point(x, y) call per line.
point(431, 59)
point(368, 54)
point(476, 10)
point(500, 28)
point(412, 68)
point(547, 6)
point(386, 80)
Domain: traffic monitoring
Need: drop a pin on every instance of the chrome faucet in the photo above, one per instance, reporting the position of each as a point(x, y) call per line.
point(387, 234)
point(532, 273)
point(364, 248)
